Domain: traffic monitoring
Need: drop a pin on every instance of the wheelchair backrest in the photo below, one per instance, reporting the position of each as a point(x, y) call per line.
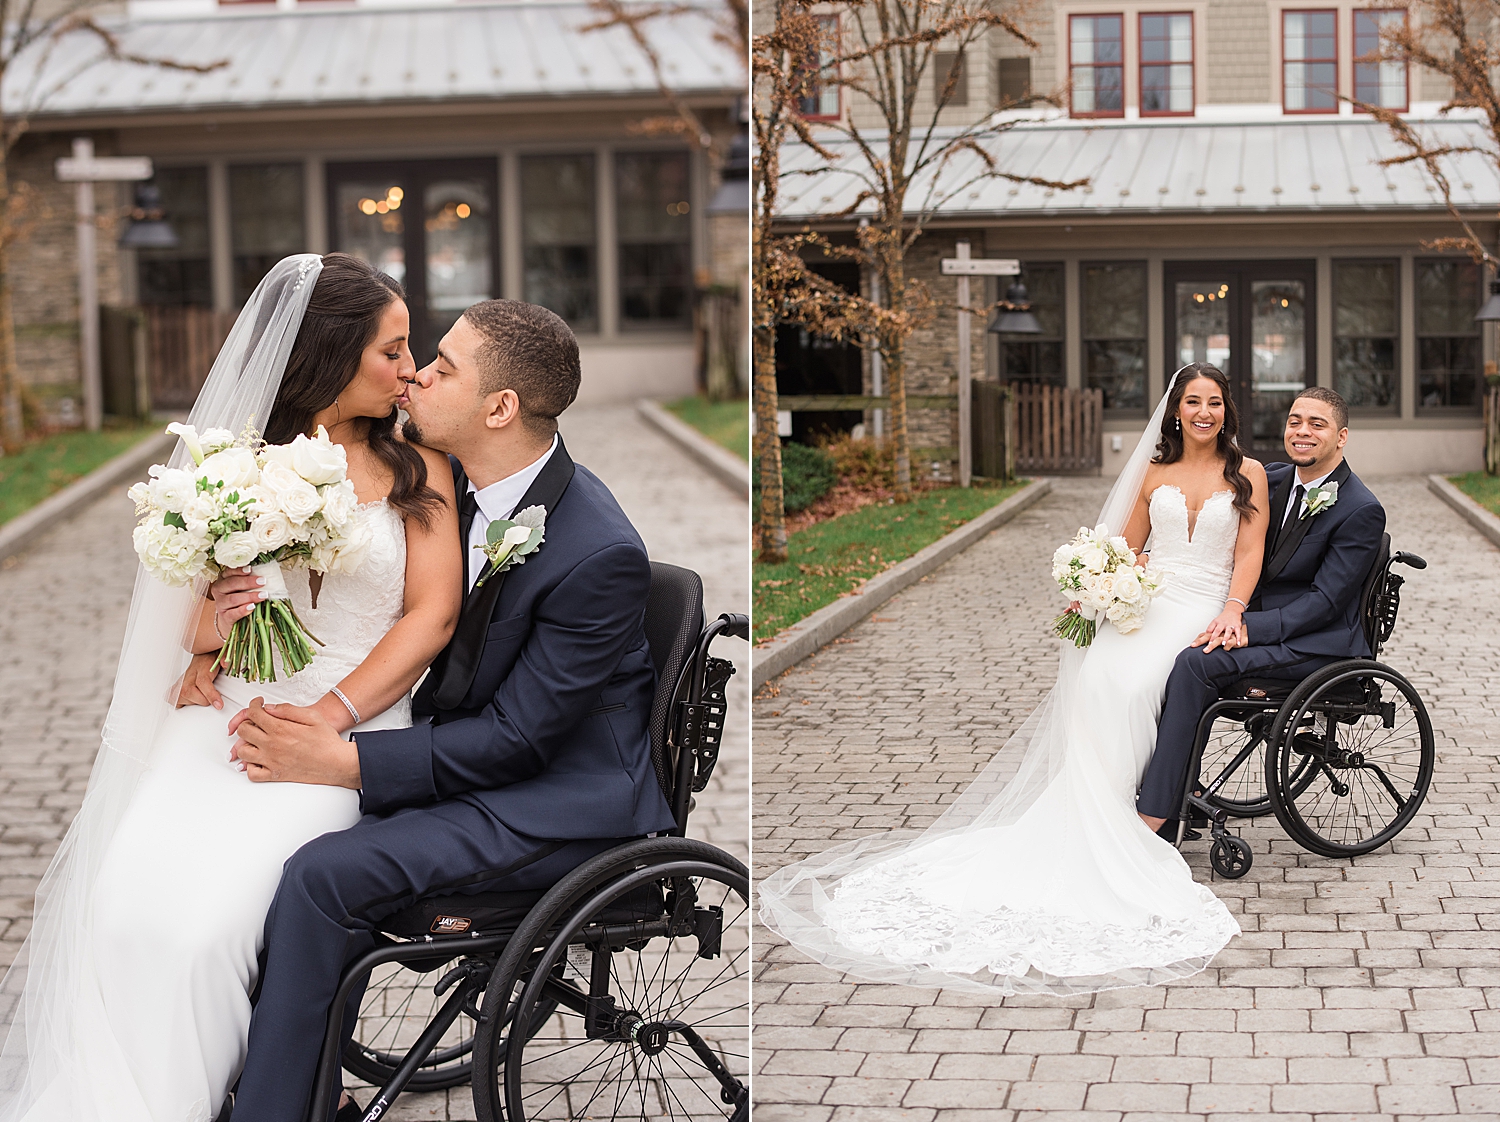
point(1369, 599)
point(674, 621)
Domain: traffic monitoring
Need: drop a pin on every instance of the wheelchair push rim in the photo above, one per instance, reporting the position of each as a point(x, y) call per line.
point(652, 1015)
point(1353, 760)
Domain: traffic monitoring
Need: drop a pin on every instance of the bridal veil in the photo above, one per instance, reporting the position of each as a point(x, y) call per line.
point(46, 994)
point(795, 900)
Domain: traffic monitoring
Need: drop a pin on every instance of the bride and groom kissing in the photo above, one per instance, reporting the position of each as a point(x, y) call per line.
point(238, 844)
point(1048, 873)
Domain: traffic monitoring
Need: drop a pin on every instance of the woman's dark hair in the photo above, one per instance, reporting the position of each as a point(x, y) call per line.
point(1169, 447)
point(340, 322)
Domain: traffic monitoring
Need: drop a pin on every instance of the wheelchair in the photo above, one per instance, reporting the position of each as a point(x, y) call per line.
point(628, 979)
point(1343, 758)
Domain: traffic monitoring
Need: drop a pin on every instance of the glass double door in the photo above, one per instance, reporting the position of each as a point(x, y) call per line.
point(1254, 321)
point(432, 225)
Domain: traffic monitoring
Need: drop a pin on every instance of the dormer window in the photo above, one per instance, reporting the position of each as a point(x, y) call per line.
point(1096, 50)
point(1166, 64)
point(1310, 61)
point(1376, 82)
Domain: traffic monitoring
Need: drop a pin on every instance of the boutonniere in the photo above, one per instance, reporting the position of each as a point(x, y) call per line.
point(1319, 499)
point(510, 540)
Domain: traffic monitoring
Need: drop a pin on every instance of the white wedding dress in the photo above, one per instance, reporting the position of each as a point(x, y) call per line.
point(1060, 888)
point(181, 898)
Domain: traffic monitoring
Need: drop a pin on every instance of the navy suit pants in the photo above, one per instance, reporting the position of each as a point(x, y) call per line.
point(1195, 683)
point(334, 891)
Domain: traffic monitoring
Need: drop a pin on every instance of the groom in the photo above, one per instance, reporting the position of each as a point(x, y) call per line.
point(530, 751)
point(1324, 534)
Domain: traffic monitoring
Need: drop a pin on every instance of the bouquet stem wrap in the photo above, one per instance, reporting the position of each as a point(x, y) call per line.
point(272, 628)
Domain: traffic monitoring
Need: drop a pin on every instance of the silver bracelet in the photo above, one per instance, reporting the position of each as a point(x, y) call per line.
point(349, 705)
point(1236, 599)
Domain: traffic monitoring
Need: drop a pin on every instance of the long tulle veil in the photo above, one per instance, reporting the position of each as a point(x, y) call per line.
point(793, 900)
point(47, 990)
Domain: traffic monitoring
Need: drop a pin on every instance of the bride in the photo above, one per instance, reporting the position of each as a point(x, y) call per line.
point(1041, 877)
point(131, 999)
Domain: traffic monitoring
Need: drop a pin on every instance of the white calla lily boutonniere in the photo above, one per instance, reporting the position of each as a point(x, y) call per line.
point(510, 540)
point(1319, 499)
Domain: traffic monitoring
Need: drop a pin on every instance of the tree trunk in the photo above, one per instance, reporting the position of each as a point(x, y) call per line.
point(771, 523)
point(10, 374)
point(893, 356)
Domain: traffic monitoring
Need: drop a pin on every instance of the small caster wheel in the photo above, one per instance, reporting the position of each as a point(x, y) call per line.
point(1230, 857)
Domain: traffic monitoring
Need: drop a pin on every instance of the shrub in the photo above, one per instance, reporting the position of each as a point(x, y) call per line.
point(807, 474)
point(863, 464)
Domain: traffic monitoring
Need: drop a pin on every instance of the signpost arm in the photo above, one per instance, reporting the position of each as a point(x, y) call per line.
point(965, 380)
point(88, 295)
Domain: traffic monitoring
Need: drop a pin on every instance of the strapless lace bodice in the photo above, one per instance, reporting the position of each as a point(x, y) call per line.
point(354, 612)
point(1202, 556)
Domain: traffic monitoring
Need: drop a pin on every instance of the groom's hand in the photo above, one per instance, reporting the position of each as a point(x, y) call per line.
point(292, 744)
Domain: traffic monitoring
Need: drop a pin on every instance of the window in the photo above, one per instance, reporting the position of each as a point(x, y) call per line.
point(1366, 333)
point(1378, 83)
point(1309, 62)
point(1014, 82)
point(820, 98)
point(1166, 64)
point(1448, 351)
point(180, 276)
point(1097, 71)
point(1114, 333)
point(266, 217)
point(949, 66)
point(655, 235)
point(1037, 358)
point(558, 252)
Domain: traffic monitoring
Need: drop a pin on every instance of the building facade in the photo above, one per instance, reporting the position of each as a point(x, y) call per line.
point(1233, 209)
point(469, 150)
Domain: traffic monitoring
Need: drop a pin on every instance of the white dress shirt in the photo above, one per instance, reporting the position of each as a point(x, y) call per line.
point(499, 500)
point(1306, 487)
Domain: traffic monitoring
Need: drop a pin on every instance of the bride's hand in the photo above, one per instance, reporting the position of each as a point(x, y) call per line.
point(196, 686)
point(1225, 630)
point(235, 595)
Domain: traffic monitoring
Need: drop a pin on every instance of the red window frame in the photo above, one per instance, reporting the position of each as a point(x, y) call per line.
point(1141, 64)
point(1355, 63)
point(1120, 66)
point(825, 21)
point(1334, 12)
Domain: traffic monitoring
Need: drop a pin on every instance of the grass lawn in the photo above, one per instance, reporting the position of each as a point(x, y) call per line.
point(48, 464)
point(724, 422)
point(830, 558)
point(1483, 489)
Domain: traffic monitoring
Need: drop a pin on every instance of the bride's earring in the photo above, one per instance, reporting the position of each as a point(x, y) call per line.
point(1176, 423)
point(338, 413)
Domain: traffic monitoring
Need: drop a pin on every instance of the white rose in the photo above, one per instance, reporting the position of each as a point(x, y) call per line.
point(300, 503)
point(233, 551)
point(319, 460)
point(172, 488)
point(271, 531)
point(350, 551)
point(1119, 545)
point(261, 499)
point(233, 467)
point(1094, 557)
point(276, 454)
point(1127, 586)
point(216, 440)
point(339, 501)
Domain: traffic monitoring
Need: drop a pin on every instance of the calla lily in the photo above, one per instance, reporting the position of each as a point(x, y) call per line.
point(189, 437)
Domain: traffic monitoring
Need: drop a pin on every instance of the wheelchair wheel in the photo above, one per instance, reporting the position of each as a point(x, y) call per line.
point(1233, 763)
point(1353, 758)
point(1230, 857)
point(399, 1003)
point(652, 1006)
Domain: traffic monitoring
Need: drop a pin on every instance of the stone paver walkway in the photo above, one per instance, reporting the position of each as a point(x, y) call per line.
point(1363, 990)
point(63, 605)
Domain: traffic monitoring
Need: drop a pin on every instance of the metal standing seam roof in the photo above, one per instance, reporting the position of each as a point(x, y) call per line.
point(529, 49)
point(1181, 167)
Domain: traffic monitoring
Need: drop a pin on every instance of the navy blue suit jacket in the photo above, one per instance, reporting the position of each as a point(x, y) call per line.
point(551, 738)
point(1312, 603)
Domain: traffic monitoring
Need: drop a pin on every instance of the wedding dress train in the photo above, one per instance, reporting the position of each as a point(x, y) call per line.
point(182, 895)
point(1054, 884)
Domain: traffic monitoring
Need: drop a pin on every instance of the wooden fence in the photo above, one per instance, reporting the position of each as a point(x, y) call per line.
point(1037, 429)
point(181, 344)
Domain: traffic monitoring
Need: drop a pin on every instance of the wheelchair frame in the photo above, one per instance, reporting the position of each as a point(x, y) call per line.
point(491, 963)
point(1274, 711)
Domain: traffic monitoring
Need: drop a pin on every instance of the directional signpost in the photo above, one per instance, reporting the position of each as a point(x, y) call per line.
point(86, 169)
point(963, 267)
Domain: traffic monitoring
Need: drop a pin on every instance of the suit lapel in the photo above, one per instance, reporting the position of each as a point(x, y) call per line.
point(1278, 511)
point(467, 645)
point(1287, 543)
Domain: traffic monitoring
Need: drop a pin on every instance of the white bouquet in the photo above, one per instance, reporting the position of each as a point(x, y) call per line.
point(1100, 573)
point(249, 504)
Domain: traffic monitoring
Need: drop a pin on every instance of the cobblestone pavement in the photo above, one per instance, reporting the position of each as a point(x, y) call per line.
point(1359, 990)
point(62, 615)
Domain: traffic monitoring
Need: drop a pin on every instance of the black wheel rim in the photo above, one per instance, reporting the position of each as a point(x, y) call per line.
point(1239, 786)
point(1352, 775)
point(397, 1006)
point(654, 1073)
